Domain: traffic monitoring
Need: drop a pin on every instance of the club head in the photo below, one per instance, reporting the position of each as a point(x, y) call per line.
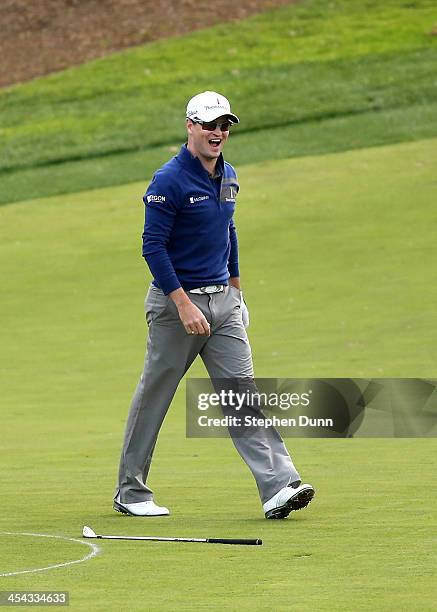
point(87, 532)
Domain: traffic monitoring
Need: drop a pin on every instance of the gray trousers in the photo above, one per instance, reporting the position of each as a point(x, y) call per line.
point(170, 352)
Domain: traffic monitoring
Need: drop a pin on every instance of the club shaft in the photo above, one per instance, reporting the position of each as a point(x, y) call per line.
point(150, 538)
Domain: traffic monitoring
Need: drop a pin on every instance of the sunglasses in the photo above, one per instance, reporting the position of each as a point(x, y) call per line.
point(210, 126)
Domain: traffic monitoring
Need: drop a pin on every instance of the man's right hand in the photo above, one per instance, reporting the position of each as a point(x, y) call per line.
point(192, 317)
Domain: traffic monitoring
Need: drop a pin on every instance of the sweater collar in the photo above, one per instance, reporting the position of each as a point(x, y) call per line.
point(195, 165)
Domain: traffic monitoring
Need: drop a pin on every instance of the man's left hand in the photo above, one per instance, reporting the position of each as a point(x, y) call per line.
point(244, 312)
point(235, 282)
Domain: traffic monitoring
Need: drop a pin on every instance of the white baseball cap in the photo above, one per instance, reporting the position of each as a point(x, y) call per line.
point(209, 105)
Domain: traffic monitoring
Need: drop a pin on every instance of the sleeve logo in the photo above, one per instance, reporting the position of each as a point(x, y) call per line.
point(156, 198)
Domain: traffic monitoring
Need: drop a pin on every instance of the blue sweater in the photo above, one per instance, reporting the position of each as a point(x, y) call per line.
point(189, 237)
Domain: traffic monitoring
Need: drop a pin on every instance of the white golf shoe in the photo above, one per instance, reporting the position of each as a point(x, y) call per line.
point(145, 508)
point(288, 499)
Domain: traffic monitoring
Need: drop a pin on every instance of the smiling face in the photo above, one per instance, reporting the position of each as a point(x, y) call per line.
point(207, 144)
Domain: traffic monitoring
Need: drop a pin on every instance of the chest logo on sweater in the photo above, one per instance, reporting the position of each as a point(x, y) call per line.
point(229, 193)
point(194, 199)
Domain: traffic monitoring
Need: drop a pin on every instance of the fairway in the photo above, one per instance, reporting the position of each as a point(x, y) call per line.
point(338, 261)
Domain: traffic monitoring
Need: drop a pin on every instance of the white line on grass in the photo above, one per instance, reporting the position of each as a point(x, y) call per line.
point(94, 551)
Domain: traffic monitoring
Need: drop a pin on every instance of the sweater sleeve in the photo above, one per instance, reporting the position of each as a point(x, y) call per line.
point(233, 255)
point(161, 207)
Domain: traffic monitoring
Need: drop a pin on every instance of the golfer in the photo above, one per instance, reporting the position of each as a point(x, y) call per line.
point(194, 307)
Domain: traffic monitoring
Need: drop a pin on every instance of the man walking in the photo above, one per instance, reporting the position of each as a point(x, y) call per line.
point(194, 307)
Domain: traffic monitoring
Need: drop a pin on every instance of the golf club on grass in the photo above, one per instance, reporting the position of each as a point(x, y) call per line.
point(87, 532)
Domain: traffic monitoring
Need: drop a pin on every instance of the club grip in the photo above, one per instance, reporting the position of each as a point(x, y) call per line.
point(232, 541)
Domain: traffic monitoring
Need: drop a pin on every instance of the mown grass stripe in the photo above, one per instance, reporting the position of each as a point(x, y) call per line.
point(313, 63)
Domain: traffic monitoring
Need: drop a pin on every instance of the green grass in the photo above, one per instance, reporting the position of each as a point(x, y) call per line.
point(312, 138)
point(337, 260)
point(292, 71)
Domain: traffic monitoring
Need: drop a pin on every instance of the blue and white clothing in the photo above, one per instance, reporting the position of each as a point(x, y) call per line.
point(189, 237)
